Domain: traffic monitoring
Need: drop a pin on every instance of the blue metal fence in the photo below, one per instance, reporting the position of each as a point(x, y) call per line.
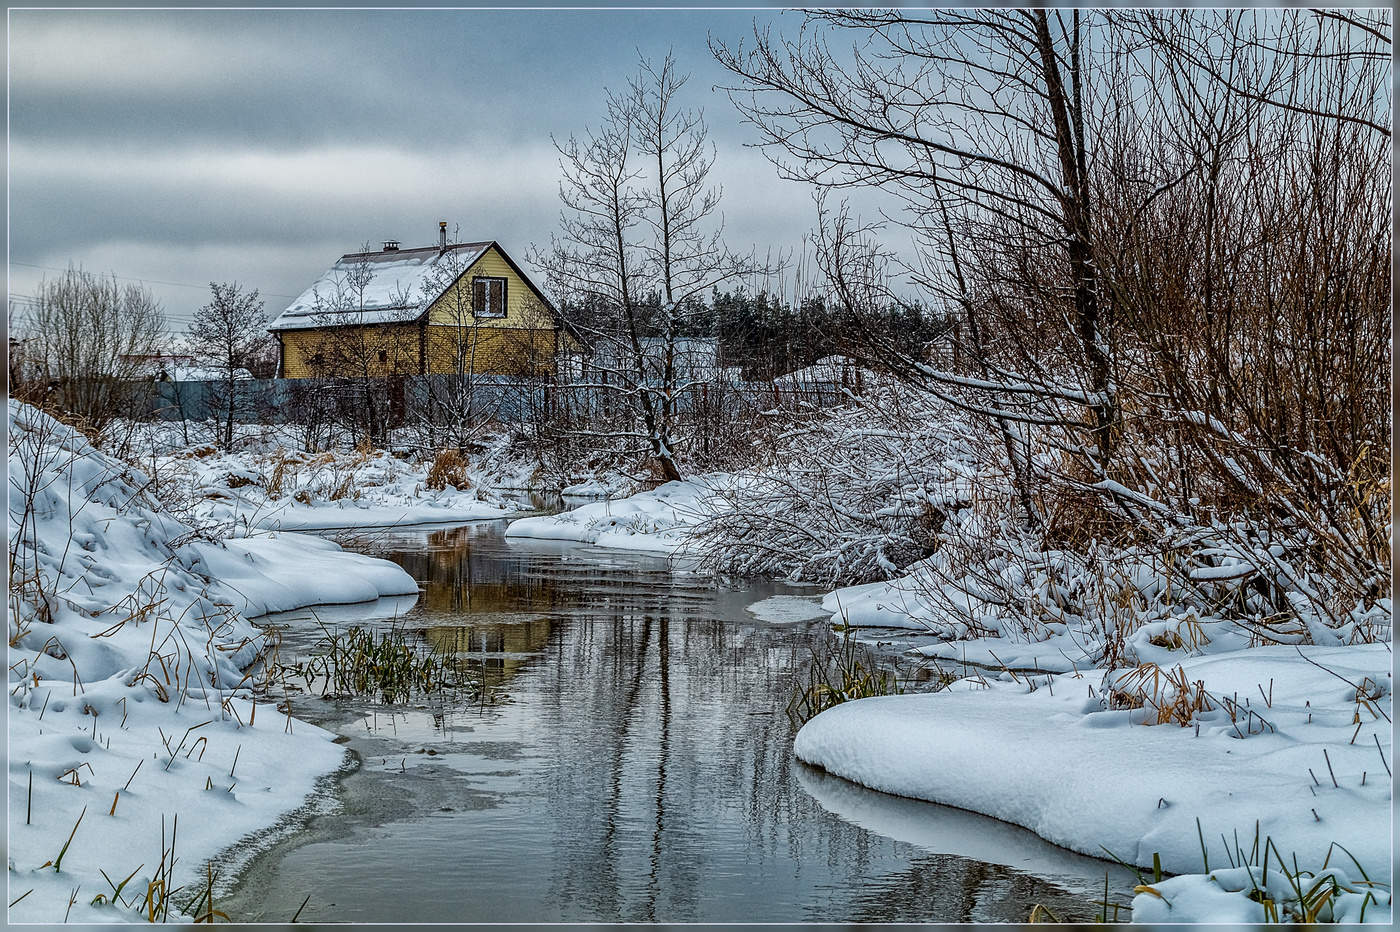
point(506, 399)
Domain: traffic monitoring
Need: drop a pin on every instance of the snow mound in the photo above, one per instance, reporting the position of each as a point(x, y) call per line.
point(1239, 895)
point(128, 704)
point(657, 521)
point(1056, 756)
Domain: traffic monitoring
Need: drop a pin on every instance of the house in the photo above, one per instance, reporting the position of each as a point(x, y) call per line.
point(463, 308)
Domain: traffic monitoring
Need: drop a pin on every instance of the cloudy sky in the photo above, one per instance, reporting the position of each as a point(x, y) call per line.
point(178, 147)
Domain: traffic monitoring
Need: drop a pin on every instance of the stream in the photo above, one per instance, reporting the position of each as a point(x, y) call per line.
point(634, 764)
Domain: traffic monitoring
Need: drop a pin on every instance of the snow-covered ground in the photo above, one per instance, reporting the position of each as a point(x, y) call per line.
point(660, 520)
point(128, 665)
point(301, 491)
point(1068, 757)
point(279, 475)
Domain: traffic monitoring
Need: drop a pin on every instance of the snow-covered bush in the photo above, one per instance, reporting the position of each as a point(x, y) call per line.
point(905, 488)
point(850, 495)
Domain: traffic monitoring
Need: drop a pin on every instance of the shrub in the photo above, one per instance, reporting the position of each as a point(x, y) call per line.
point(449, 468)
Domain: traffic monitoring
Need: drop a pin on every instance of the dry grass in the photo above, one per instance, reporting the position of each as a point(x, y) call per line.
point(449, 468)
point(1169, 695)
point(275, 482)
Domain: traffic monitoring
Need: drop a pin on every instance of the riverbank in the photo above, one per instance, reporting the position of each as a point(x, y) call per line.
point(1082, 765)
point(137, 749)
point(660, 520)
point(1197, 748)
point(270, 480)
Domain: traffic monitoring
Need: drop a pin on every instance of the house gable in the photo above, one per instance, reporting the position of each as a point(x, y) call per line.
point(526, 306)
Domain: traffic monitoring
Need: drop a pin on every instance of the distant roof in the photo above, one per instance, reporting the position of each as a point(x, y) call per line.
point(202, 374)
point(379, 287)
point(835, 369)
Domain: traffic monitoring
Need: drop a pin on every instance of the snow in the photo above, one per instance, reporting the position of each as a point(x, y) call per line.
point(887, 604)
point(281, 572)
point(786, 609)
point(398, 285)
point(127, 680)
point(837, 370)
point(592, 488)
point(945, 830)
point(291, 490)
point(1052, 755)
point(656, 521)
point(1235, 895)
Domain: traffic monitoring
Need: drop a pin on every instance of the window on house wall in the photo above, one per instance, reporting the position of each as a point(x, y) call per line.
point(383, 355)
point(319, 359)
point(488, 297)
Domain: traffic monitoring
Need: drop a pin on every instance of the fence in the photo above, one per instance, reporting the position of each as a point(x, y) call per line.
point(505, 399)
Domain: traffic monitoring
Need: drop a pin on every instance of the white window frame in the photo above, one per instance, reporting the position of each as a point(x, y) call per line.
point(490, 312)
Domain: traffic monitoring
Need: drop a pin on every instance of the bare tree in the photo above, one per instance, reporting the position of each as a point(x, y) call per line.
point(365, 349)
point(230, 331)
point(451, 409)
point(641, 240)
point(91, 338)
point(1166, 236)
point(980, 111)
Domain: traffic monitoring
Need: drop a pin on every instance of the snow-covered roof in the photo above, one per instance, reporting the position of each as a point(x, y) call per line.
point(826, 369)
point(202, 374)
point(379, 287)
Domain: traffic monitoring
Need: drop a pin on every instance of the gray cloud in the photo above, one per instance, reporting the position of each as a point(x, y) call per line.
point(186, 146)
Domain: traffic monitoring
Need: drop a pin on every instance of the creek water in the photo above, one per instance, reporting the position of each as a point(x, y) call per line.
point(635, 764)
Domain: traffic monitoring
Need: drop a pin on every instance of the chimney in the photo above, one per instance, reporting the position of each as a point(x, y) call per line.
point(391, 245)
point(442, 235)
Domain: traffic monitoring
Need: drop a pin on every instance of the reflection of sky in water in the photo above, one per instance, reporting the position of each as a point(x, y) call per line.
point(640, 768)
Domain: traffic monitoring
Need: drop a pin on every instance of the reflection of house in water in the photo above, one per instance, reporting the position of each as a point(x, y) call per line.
point(499, 649)
point(457, 578)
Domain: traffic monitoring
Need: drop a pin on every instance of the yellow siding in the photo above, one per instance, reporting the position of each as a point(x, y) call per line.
point(350, 352)
point(490, 351)
point(523, 307)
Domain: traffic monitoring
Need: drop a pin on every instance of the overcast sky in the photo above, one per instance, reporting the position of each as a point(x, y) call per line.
point(179, 147)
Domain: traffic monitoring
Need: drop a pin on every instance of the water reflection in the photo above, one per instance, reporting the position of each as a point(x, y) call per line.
point(641, 771)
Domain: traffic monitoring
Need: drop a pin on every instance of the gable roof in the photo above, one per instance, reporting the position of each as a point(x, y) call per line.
point(398, 285)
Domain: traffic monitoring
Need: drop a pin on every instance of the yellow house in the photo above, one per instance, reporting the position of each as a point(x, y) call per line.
point(463, 308)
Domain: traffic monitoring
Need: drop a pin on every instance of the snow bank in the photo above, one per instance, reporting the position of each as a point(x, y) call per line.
point(280, 572)
point(1238, 895)
point(126, 666)
point(657, 521)
point(945, 830)
point(1054, 755)
point(290, 490)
